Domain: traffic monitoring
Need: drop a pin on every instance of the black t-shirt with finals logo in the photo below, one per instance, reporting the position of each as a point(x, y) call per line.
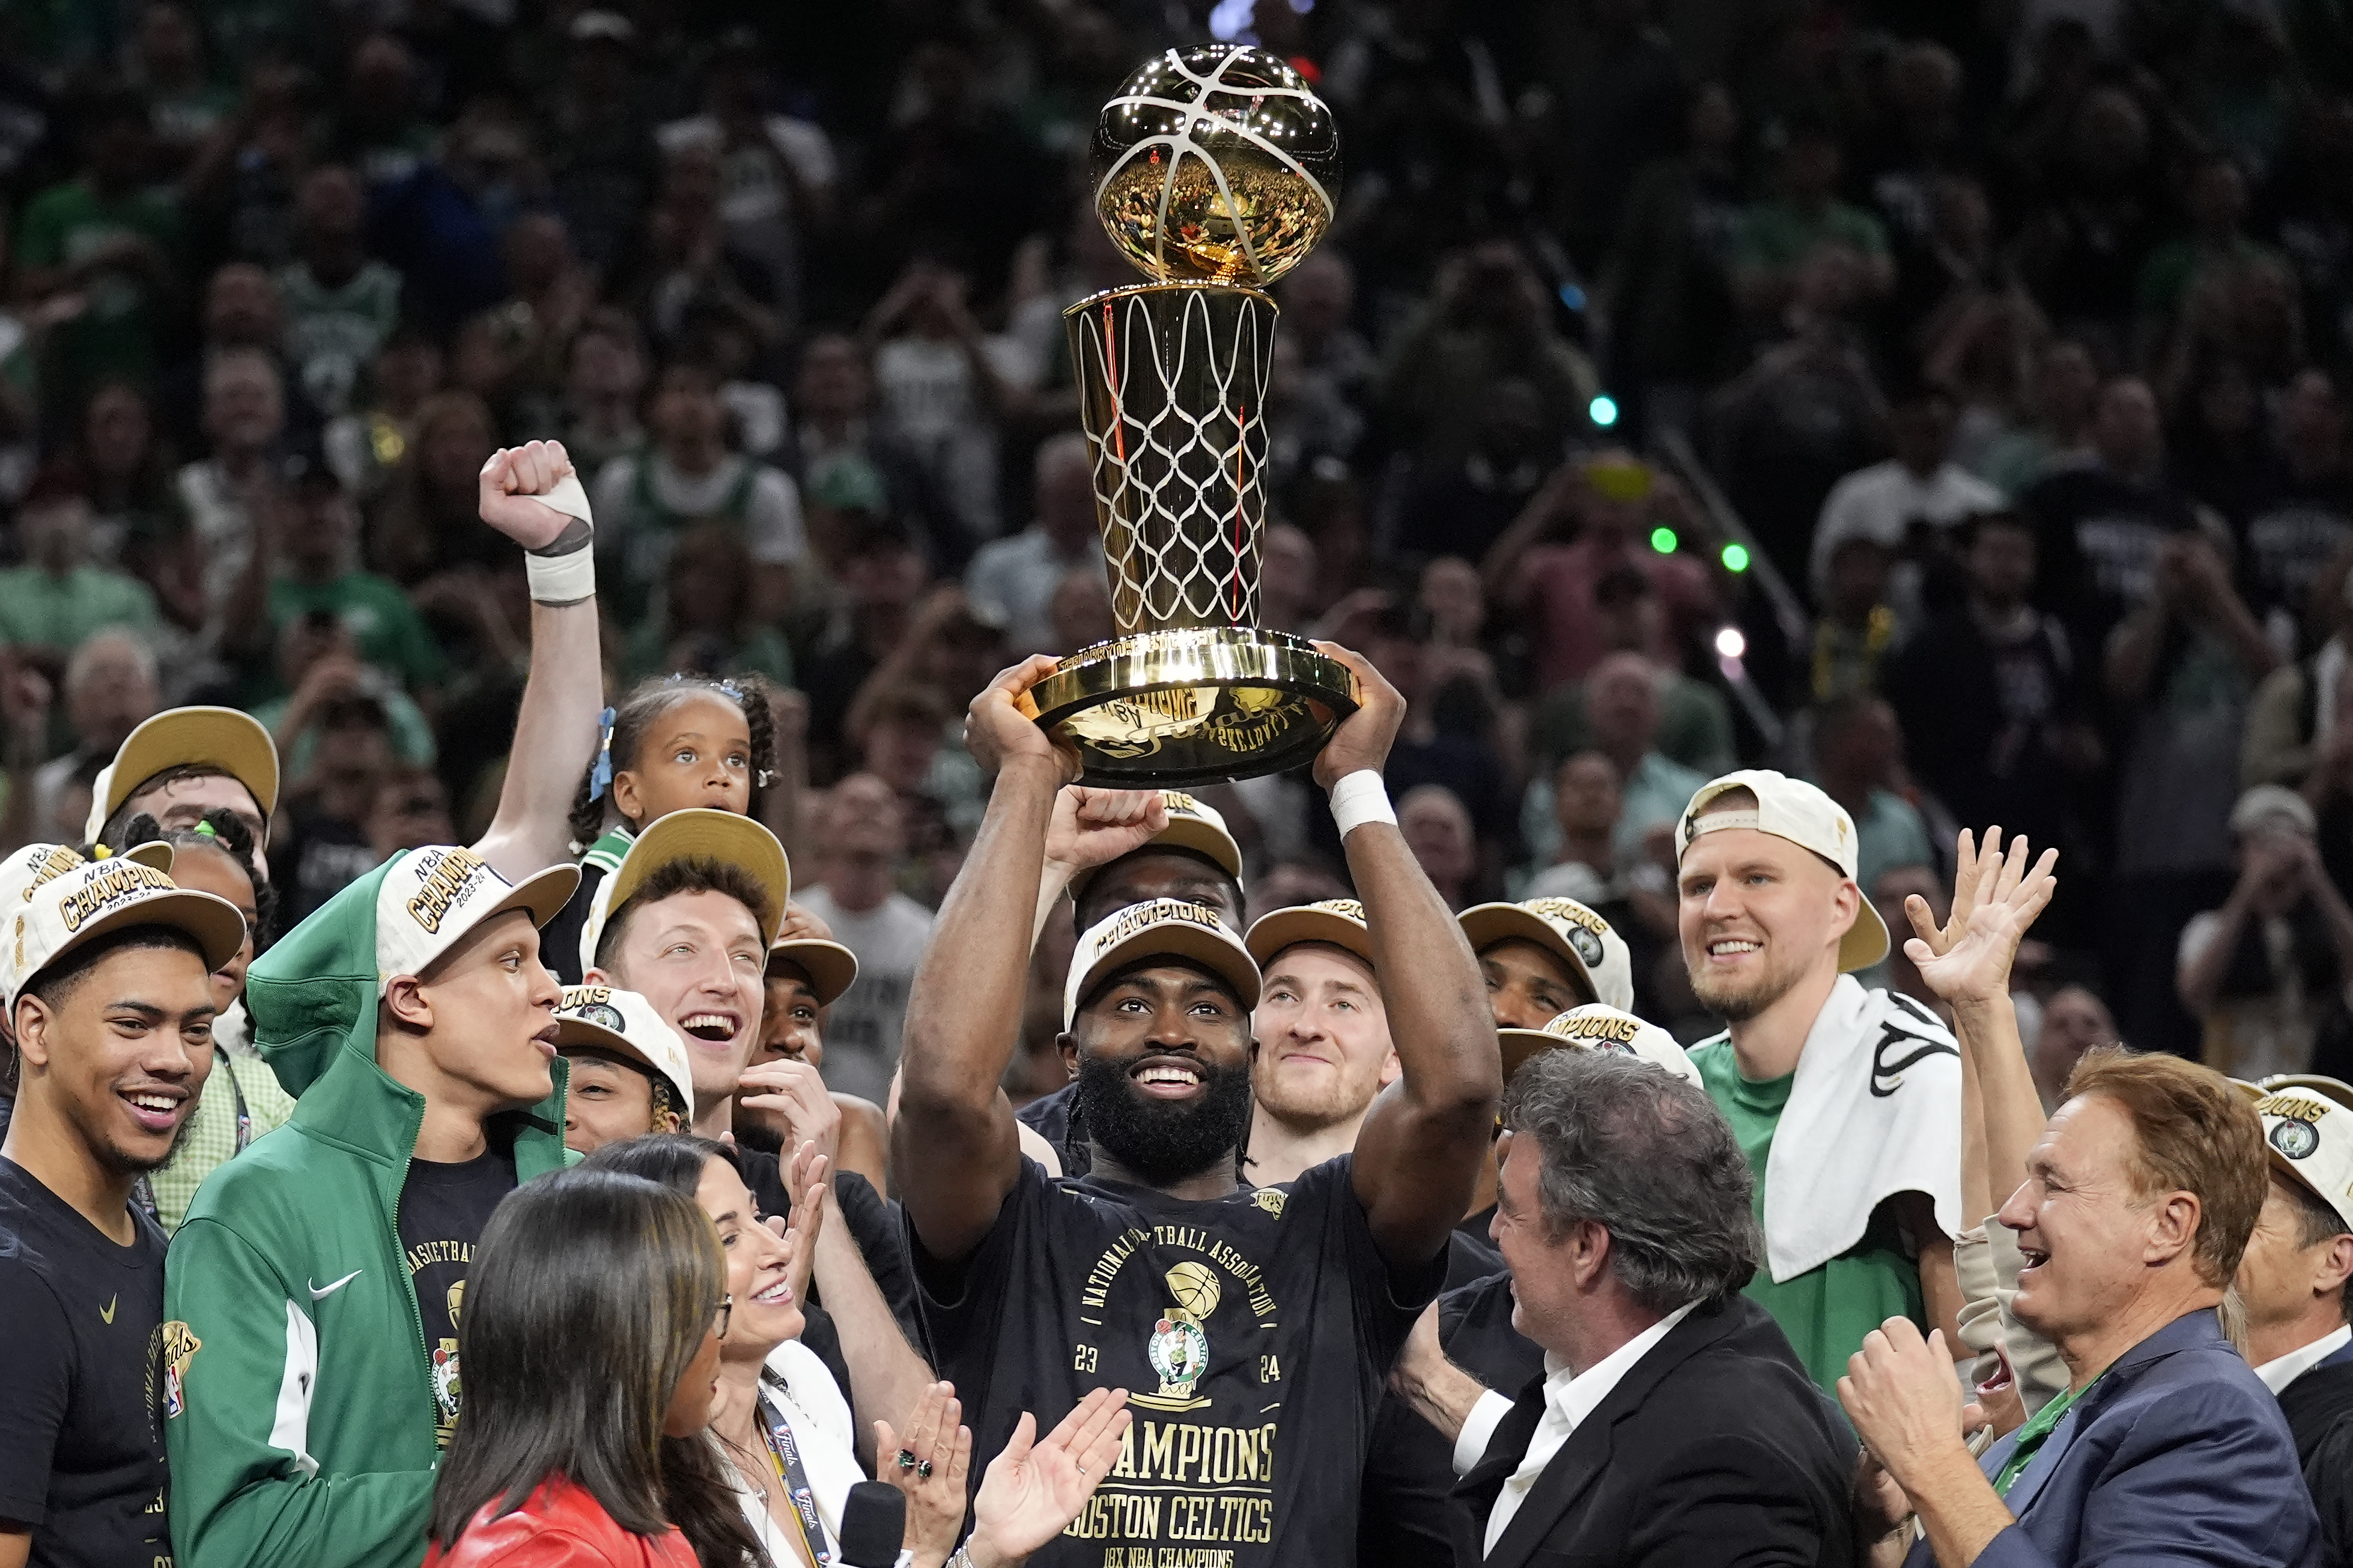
point(82, 1388)
point(443, 1208)
point(1254, 1331)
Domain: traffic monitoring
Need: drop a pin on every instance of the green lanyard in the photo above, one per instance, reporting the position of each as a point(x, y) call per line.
point(2031, 1436)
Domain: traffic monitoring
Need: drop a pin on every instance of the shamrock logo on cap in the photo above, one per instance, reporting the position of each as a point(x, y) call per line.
point(2294, 1139)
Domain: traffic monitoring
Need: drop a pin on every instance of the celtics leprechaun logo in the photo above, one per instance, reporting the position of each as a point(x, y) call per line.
point(1179, 1349)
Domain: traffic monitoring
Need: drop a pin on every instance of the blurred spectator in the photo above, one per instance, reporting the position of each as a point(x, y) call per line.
point(1694, 722)
point(836, 439)
point(2180, 671)
point(2073, 1021)
point(1011, 581)
point(60, 596)
point(2215, 199)
point(319, 665)
point(341, 303)
point(1908, 505)
point(1439, 831)
point(109, 688)
point(1776, 237)
point(1488, 320)
point(241, 312)
point(426, 518)
point(2101, 525)
point(117, 463)
point(604, 383)
point(1319, 308)
point(2080, 252)
point(1621, 705)
point(1551, 579)
point(1463, 507)
point(1859, 760)
point(778, 172)
point(410, 811)
point(2302, 517)
point(1667, 283)
point(2268, 973)
point(881, 577)
point(938, 391)
point(166, 64)
point(1808, 412)
point(1857, 625)
point(378, 128)
point(1080, 611)
point(600, 157)
point(364, 447)
point(646, 500)
point(224, 496)
point(704, 621)
point(1587, 801)
point(103, 249)
point(320, 845)
point(2061, 394)
point(1994, 712)
point(307, 564)
point(1288, 586)
point(1443, 740)
point(861, 852)
point(438, 223)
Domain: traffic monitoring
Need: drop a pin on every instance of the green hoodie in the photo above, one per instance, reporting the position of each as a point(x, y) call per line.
point(298, 1390)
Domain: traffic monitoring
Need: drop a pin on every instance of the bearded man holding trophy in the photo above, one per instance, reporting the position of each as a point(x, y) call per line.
point(1254, 1327)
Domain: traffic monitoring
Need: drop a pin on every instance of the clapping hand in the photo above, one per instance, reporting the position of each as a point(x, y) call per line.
point(929, 1464)
point(1031, 1491)
point(1995, 899)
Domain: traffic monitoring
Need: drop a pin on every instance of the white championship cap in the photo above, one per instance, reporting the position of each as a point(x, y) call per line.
point(831, 968)
point(1340, 921)
point(1169, 927)
point(1568, 931)
point(1192, 824)
point(2308, 1125)
point(626, 1024)
point(56, 900)
point(1595, 1027)
point(431, 897)
point(1800, 812)
point(698, 833)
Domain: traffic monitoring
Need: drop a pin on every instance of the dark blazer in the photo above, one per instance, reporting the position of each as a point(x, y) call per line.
point(2179, 1455)
point(1714, 1448)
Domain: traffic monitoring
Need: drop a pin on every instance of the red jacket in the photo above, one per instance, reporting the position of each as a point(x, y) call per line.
point(559, 1526)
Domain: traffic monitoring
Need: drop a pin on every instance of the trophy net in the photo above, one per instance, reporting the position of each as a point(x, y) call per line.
point(1172, 392)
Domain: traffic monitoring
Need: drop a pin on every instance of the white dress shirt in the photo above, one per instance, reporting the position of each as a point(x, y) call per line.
point(2281, 1371)
point(1569, 1398)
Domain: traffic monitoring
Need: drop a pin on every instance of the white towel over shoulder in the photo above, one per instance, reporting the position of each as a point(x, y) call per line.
point(1875, 1111)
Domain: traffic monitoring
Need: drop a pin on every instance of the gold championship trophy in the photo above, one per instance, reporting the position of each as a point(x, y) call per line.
point(1216, 169)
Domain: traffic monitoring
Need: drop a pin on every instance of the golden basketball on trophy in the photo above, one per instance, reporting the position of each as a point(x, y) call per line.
point(1216, 172)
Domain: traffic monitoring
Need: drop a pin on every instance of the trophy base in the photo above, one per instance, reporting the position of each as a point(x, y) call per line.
point(1195, 705)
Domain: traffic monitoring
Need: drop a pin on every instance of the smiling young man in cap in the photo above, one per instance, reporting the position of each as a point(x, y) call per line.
point(321, 1274)
point(807, 971)
point(1543, 956)
point(2296, 1280)
point(628, 1075)
point(686, 920)
point(1110, 848)
point(1324, 1049)
point(1259, 1322)
point(1843, 1099)
point(106, 977)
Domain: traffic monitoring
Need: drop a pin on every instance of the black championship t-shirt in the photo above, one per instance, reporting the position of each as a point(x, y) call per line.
point(443, 1209)
point(1254, 1331)
point(90, 1368)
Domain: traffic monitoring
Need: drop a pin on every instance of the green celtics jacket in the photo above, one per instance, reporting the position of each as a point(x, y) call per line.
point(297, 1392)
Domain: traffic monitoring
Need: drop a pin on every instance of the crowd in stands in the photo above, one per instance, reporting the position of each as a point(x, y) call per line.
point(1779, 474)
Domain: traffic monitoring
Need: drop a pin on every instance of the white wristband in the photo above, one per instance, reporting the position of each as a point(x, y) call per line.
point(565, 579)
point(1359, 798)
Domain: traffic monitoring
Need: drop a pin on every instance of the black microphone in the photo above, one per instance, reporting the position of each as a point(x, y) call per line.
point(874, 1524)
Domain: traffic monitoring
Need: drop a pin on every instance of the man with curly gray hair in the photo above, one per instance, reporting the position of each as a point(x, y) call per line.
point(1673, 1419)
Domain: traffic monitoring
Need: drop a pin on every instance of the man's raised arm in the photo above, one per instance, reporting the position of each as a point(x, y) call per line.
point(1417, 1154)
point(530, 494)
point(954, 1152)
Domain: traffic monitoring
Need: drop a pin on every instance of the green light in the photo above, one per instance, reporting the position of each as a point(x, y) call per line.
point(1736, 558)
point(1662, 539)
